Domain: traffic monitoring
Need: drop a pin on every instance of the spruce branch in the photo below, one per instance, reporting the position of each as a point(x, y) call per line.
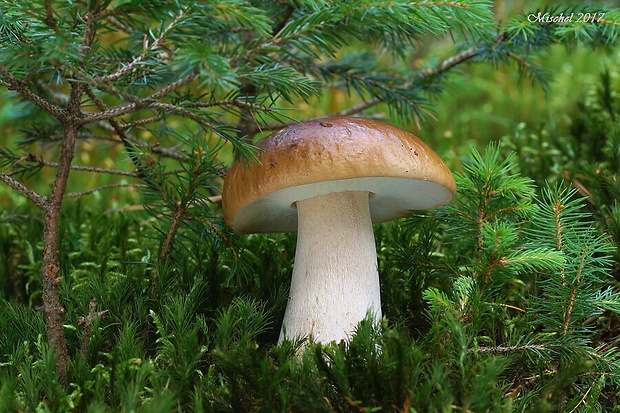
point(142, 104)
point(173, 86)
point(232, 102)
point(179, 209)
point(120, 132)
point(171, 153)
point(360, 107)
point(115, 112)
point(452, 62)
point(92, 169)
point(86, 322)
point(141, 122)
point(11, 83)
point(149, 48)
point(50, 20)
point(23, 190)
point(136, 103)
point(177, 216)
point(104, 87)
point(559, 228)
point(216, 199)
point(585, 395)
point(497, 49)
point(441, 68)
point(574, 290)
point(101, 188)
point(200, 120)
point(219, 232)
point(510, 349)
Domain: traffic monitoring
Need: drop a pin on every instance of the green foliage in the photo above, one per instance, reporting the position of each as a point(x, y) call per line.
point(502, 301)
point(587, 155)
point(510, 288)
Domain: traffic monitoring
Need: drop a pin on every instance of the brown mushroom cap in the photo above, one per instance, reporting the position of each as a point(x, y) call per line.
point(400, 172)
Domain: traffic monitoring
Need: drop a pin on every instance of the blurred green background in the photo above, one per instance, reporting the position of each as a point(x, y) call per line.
point(481, 103)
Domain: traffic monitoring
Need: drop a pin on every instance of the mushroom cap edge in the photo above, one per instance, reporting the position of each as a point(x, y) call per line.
point(400, 172)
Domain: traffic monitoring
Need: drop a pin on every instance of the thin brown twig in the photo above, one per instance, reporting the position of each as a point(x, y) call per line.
point(168, 152)
point(120, 132)
point(40, 162)
point(12, 83)
point(163, 92)
point(87, 323)
point(573, 296)
point(50, 20)
point(124, 209)
point(93, 169)
point(450, 62)
point(101, 188)
point(183, 112)
point(585, 396)
point(231, 102)
point(507, 349)
point(360, 107)
point(36, 198)
point(140, 122)
point(114, 22)
point(146, 103)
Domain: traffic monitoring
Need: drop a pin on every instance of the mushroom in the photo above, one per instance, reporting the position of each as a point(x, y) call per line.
point(330, 180)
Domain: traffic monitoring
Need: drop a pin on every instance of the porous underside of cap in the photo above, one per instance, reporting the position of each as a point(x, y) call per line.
point(398, 170)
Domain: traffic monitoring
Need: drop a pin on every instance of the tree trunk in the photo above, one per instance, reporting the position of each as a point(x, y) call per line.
point(52, 306)
point(50, 271)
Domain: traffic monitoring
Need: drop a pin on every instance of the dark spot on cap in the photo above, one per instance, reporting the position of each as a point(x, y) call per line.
point(415, 153)
point(325, 124)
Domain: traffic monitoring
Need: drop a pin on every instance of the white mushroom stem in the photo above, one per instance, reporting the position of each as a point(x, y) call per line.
point(335, 281)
